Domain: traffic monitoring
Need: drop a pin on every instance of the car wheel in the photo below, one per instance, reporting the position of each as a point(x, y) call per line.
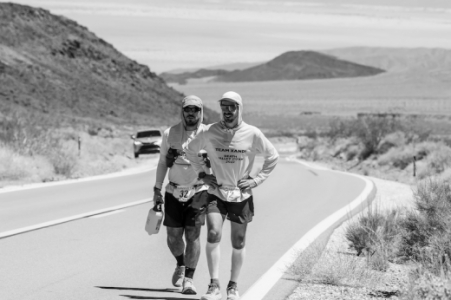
point(136, 155)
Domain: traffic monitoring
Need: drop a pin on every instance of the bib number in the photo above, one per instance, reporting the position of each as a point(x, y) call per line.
point(183, 194)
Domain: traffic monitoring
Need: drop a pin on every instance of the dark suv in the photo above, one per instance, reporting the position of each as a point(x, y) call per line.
point(146, 141)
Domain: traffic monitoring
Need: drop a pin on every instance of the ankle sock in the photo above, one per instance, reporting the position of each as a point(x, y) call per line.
point(232, 284)
point(189, 272)
point(180, 260)
point(215, 281)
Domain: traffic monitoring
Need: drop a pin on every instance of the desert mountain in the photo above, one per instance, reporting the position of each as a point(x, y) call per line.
point(297, 65)
point(293, 65)
point(51, 64)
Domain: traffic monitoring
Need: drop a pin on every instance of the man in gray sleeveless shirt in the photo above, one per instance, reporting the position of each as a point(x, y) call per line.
point(184, 194)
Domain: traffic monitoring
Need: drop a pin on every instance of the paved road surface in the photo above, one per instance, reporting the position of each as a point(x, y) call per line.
point(111, 256)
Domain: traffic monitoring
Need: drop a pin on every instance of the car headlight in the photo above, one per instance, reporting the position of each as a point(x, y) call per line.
point(137, 143)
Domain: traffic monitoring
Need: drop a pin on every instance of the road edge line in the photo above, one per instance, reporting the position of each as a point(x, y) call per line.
point(10, 233)
point(31, 186)
point(323, 229)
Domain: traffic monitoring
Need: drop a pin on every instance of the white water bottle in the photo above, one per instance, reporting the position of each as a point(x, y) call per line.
point(154, 219)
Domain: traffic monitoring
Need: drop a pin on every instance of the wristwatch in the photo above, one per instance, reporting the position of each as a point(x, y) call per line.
point(155, 189)
point(201, 175)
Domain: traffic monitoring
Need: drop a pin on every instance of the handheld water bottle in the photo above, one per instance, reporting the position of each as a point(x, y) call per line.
point(154, 219)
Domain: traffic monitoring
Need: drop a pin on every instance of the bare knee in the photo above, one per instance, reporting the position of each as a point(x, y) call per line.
point(239, 241)
point(214, 236)
point(175, 235)
point(192, 234)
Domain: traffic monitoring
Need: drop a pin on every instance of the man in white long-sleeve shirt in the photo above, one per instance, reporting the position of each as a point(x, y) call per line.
point(184, 193)
point(231, 145)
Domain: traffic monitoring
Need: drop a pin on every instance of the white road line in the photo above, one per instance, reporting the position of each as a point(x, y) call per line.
point(69, 181)
point(107, 214)
point(72, 218)
point(265, 283)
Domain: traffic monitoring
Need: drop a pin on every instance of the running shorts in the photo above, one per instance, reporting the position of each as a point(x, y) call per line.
point(181, 214)
point(238, 212)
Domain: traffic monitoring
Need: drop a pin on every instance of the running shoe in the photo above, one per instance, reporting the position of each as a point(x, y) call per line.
point(177, 277)
point(232, 294)
point(213, 293)
point(188, 287)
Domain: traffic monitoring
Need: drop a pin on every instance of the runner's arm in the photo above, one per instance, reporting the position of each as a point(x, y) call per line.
point(270, 154)
point(162, 167)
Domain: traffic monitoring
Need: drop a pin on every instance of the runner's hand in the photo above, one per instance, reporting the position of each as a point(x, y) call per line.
point(244, 184)
point(211, 181)
point(157, 199)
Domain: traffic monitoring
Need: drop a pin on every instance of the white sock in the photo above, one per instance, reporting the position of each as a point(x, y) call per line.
point(213, 256)
point(237, 262)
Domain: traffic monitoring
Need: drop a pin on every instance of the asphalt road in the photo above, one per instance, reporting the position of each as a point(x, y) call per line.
point(110, 256)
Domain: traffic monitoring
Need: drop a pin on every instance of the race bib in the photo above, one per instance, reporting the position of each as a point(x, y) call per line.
point(183, 193)
point(231, 195)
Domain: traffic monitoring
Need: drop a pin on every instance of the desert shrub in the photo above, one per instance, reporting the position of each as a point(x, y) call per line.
point(375, 235)
point(370, 130)
point(426, 233)
point(14, 166)
point(425, 285)
point(331, 266)
point(395, 139)
point(437, 161)
point(397, 157)
point(64, 163)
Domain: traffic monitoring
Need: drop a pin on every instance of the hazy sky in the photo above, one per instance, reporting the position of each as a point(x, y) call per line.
point(172, 34)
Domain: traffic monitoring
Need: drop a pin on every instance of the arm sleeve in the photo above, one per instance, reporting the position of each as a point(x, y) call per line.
point(192, 150)
point(265, 147)
point(162, 168)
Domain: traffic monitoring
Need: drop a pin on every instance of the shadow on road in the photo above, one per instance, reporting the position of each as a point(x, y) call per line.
point(138, 289)
point(170, 290)
point(158, 298)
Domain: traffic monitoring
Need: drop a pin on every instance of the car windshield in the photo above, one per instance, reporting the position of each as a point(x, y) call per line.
point(150, 133)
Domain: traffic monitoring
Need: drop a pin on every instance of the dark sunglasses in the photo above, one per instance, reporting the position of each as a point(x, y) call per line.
point(231, 108)
point(191, 109)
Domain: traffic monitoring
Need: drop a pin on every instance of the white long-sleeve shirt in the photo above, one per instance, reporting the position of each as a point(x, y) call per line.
point(232, 153)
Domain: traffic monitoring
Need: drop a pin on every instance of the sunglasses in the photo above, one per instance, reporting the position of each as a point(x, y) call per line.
point(191, 109)
point(231, 108)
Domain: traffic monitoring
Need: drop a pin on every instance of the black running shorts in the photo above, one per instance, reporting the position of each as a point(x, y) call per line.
point(238, 212)
point(181, 214)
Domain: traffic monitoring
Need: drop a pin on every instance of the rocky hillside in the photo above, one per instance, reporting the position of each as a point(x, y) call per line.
point(52, 65)
point(293, 65)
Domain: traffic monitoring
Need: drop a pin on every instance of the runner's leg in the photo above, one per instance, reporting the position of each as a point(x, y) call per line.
point(175, 241)
point(192, 251)
point(238, 235)
point(214, 226)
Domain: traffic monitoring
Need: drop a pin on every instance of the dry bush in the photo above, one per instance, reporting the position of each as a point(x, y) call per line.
point(424, 285)
point(397, 157)
point(375, 235)
point(369, 130)
point(14, 166)
point(438, 160)
point(426, 233)
point(331, 266)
